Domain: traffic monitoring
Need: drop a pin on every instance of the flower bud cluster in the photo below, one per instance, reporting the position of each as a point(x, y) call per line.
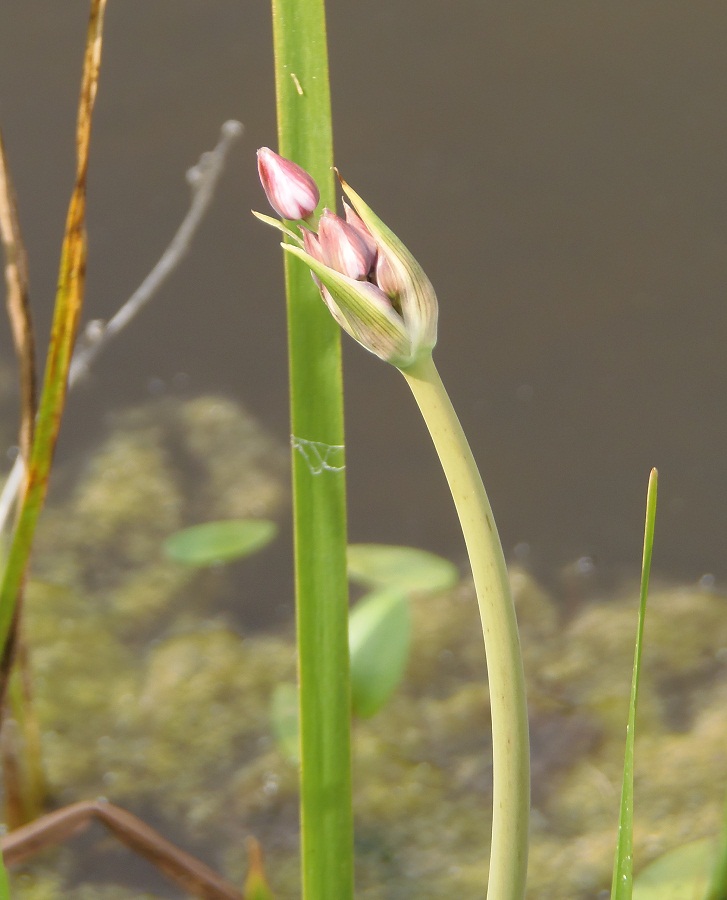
point(372, 285)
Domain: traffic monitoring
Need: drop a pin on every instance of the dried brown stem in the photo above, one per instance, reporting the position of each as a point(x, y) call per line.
point(22, 778)
point(18, 303)
point(183, 869)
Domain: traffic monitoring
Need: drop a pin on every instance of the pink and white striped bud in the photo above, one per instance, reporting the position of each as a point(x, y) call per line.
point(371, 283)
point(290, 190)
point(353, 218)
point(344, 247)
point(382, 273)
point(385, 277)
point(312, 246)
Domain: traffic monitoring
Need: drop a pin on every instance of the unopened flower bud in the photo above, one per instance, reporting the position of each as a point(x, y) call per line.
point(344, 247)
point(353, 218)
point(312, 245)
point(395, 317)
point(371, 283)
point(385, 277)
point(290, 190)
point(400, 276)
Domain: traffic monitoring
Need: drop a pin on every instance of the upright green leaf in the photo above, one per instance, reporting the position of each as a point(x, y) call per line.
point(316, 396)
point(621, 887)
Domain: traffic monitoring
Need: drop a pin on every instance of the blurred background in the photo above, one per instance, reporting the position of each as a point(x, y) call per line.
point(558, 169)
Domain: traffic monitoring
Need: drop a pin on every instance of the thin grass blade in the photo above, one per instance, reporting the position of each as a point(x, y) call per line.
point(622, 885)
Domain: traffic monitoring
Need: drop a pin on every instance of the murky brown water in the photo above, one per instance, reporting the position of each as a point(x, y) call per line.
point(559, 169)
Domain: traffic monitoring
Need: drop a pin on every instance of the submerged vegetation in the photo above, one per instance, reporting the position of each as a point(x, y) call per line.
point(143, 665)
point(141, 679)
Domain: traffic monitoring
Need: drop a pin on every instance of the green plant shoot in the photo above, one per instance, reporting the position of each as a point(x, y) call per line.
point(622, 884)
point(319, 500)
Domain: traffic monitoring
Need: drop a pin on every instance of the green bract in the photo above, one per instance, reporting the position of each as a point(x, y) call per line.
point(374, 324)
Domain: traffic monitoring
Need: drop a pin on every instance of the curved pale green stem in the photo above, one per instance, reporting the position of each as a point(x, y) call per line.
point(511, 754)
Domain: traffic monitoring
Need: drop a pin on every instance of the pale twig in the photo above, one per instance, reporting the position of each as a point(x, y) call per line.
point(203, 179)
point(10, 489)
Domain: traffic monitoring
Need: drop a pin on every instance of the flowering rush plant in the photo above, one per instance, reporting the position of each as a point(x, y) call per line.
point(370, 282)
point(379, 294)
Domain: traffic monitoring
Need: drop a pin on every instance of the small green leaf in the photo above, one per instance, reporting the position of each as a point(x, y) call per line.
point(680, 874)
point(216, 542)
point(379, 633)
point(406, 568)
point(284, 718)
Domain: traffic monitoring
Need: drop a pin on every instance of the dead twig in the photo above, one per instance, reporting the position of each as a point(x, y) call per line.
point(203, 179)
point(184, 870)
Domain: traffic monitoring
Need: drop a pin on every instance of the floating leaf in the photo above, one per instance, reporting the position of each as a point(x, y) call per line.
point(284, 717)
point(406, 568)
point(216, 542)
point(379, 632)
point(680, 874)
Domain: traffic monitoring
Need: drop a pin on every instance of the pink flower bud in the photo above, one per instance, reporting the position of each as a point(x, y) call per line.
point(290, 190)
point(312, 245)
point(353, 218)
point(386, 277)
point(344, 247)
point(382, 273)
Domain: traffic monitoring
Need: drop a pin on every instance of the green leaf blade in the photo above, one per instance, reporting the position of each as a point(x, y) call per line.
point(314, 347)
point(622, 884)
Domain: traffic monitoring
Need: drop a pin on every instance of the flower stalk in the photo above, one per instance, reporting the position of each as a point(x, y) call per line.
point(508, 710)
